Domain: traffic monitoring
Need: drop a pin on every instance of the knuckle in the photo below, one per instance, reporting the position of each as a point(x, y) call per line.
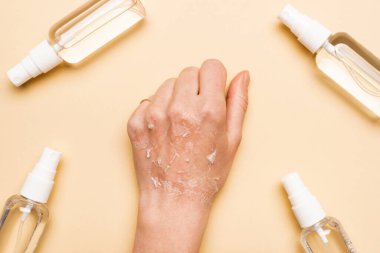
point(179, 114)
point(155, 115)
point(238, 139)
point(175, 113)
point(135, 127)
point(212, 114)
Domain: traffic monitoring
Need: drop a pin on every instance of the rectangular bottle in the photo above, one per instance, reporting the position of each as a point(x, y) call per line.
point(78, 35)
point(24, 216)
point(320, 233)
point(354, 69)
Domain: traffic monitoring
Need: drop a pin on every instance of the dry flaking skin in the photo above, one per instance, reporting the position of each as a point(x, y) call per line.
point(187, 134)
point(185, 163)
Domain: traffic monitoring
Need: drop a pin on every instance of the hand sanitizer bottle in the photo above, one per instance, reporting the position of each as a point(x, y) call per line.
point(78, 35)
point(24, 216)
point(320, 234)
point(354, 69)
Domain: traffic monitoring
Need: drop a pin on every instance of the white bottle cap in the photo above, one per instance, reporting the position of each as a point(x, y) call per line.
point(305, 206)
point(309, 32)
point(40, 181)
point(41, 59)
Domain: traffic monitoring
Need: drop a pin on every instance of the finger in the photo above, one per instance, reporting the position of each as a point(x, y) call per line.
point(187, 83)
point(212, 77)
point(136, 125)
point(164, 94)
point(237, 104)
point(156, 114)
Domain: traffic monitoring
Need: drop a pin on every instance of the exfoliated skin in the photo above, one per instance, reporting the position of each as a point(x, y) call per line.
point(182, 159)
point(184, 139)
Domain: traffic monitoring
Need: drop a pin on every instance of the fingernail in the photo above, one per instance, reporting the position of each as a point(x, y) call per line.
point(246, 77)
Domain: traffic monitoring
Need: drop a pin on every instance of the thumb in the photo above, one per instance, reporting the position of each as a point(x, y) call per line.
point(237, 104)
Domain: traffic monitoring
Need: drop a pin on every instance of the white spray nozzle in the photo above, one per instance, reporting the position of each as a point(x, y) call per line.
point(309, 32)
point(40, 181)
point(48, 163)
point(305, 206)
point(41, 59)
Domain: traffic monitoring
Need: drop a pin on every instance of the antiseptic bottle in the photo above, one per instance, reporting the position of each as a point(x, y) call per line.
point(78, 35)
point(354, 70)
point(24, 216)
point(320, 233)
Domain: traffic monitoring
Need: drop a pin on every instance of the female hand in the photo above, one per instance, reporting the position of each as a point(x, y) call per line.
point(184, 140)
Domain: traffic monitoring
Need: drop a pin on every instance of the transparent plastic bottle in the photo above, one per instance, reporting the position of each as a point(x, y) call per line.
point(78, 35)
point(320, 233)
point(24, 216)
point(353, 68)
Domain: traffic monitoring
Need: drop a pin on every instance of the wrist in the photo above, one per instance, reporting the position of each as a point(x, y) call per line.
point(170, 224)
point(156, 206)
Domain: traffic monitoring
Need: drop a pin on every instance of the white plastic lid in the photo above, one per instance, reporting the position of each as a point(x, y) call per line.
point(305, 206)
point(40, 181)
point(309, 32)
point(41, 59)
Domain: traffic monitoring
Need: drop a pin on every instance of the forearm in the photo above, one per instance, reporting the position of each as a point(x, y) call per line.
point(169, 224)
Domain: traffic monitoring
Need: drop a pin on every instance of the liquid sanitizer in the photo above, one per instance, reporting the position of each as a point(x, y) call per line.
point(25, 215)
point(320, 234)
point(78, 35)
point(354, 69)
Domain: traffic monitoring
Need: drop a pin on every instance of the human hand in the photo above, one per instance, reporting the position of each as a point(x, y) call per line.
point(184, 140)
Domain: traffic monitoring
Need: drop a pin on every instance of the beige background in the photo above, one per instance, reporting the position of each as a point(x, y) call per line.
point(295, 122)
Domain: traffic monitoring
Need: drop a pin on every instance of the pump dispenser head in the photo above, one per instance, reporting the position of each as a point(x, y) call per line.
point(305, 206)
point(309, 32)
point(40, 60)
point(40, 181)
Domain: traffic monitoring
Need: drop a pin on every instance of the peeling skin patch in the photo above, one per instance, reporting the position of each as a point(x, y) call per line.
point(169, 188)
point(211, 157)
point(192, 183)
point(139, 145)
point(189, 145)
point(159, 162)
point(150, 126)
point(149, 153)
point(156, 182)
point(174, 157)
point(181, 131)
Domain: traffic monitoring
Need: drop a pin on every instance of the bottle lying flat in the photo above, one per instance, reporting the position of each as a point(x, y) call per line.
point(79, 35)
point(353, 68)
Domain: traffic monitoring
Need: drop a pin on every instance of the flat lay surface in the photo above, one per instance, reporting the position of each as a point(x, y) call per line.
point(295, 122)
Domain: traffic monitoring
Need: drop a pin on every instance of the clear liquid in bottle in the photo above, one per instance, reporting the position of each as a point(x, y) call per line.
point(89, 28)
point(21, 225)
point(24, 216)
point(79, 35)
point(327, 236)
point(354, 69)
point(320, 233)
